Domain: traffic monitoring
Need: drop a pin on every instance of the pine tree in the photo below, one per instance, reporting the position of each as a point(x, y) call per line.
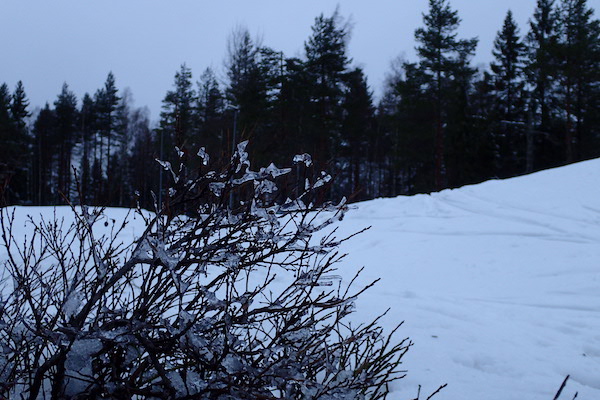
point(121, 181)
point(87, 127)
point(67, 127)
point(45, 159)
point(144, 172)
point(443, 58)
point(106, 102)
point(357, 124)
point(579, 50)
point(483, 111)
point(405, 121)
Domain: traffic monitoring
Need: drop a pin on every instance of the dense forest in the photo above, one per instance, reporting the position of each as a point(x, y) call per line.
point(440, 121)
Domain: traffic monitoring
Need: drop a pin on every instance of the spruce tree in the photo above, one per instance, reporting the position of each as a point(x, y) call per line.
point(508, 67)
point(17, 147)
point(19, 107)
point(252, 70)
point(541, 65)
point(6, 127)
point(6, 122)
point(326, 65)
point(295, 107)
point(210, 108)
point(510, 115)
point(444, 58)
point(178, 117)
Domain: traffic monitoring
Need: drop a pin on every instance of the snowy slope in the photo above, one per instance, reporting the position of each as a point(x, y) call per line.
point(498, 283)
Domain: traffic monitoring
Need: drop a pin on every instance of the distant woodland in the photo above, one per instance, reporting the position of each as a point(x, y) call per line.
point(440, 122)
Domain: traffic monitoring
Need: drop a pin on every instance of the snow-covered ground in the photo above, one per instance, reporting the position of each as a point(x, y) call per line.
point(498, 283)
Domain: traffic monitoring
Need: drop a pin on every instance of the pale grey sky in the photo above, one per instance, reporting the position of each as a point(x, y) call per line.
point(45, 43)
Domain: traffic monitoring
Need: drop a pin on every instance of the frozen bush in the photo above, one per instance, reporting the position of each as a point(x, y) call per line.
point(226, 294)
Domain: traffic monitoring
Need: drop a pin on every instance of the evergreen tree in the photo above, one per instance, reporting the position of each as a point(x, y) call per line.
point(295, 107)
point(508, 66)
point(178, 118)
point(121, 181)
point(5, 132)
point(210, 107)
point(579, 50)
point(357, 124)
point(326, 65)
point(19, 110)
point(252, 70)
point(45, 160)
point(144, 172)
point(405, 121)
point(443, 58)
point(66, 130)
point(5, 101)
point(17, 147)
point(483, 111)
point(541, 61)
point(106, 102)
point(87, 127)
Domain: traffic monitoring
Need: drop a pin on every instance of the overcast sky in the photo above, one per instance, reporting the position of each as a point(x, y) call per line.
point(45, 43)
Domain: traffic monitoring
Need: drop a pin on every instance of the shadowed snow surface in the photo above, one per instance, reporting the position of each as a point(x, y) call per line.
point(498, 283)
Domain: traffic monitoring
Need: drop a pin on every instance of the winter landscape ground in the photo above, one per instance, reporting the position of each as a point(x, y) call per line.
point(498, 283)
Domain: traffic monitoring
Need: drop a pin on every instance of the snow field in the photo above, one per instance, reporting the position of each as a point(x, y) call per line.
point(498, 283)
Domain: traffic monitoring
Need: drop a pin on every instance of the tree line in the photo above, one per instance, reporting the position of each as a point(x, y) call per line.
point(440, 121)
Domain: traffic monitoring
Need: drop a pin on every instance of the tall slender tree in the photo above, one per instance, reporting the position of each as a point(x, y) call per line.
point(579, 50)
point(541, 65)
point(106, 102)
point(67, 128)
point(45, 160)
point(252, 70)
point(443, 57)
point(326, 65)
point(178, 118)
point(87, 121)
point(508, 66)
point(5, 133)
point(210, 108)
point(18, 145)
point(357, 124)
point(510, 109)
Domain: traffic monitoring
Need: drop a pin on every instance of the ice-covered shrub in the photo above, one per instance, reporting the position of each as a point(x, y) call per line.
point(226, 294)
